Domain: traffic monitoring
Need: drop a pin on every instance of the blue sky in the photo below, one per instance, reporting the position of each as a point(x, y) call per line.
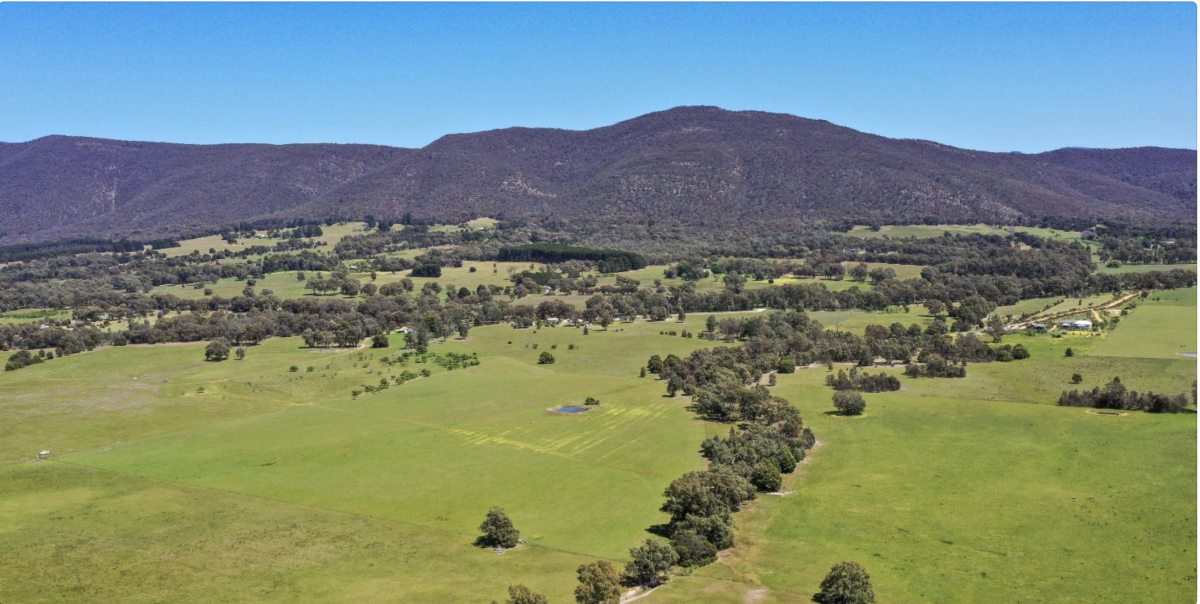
point(1001, 77)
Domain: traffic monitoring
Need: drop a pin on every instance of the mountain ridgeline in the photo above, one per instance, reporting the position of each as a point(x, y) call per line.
point(697, 165)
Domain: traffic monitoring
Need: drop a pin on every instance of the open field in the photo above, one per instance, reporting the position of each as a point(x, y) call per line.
point(936, 230)
point(1163, 326)
point(1144, 268)
point(946, 499)
point(179, 480)
point(331, 236)
point(285, 285)
point(282, 486)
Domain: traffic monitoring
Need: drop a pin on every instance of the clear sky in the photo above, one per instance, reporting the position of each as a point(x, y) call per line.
point(999, 77)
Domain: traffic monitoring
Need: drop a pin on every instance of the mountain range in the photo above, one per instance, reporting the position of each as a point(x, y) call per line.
point(701, 165)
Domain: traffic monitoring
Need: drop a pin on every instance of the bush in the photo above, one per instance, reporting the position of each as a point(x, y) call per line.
point(1019, 352)
point(847, 583)
point(591, 401)
point(1070, 352)
point(1076, 378)
point(380, 340)
point(786, 365)
point(545, 359)
point(849, 402)
point(427, 270)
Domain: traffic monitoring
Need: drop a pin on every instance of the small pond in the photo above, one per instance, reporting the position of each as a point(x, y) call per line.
point(572, 409)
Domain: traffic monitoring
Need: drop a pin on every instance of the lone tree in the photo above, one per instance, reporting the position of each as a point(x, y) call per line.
point(498, 530)
point(847, 583)
point(650, 564)
point(598, 584)
point(217, 350)
point(1076, 378)
point(519, 594)
point(1070, 352)
point(380, 340)
point(241, 353)
point(545, 359)
point(849, 402)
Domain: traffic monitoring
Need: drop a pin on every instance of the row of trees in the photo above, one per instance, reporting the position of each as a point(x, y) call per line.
point(1115, 395)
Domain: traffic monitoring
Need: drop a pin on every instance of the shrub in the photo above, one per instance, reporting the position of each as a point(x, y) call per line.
point(545, 359)
point(849, 402)
point(786, 365)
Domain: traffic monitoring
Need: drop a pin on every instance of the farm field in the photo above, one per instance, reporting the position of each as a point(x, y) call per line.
point(289, 488)
point(1143, 268)
point(1163, 326)
point(283, 486)
point(936, 230)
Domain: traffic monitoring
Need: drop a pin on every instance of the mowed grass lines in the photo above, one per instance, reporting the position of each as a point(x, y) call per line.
point(1163, 327)
point(957, 500)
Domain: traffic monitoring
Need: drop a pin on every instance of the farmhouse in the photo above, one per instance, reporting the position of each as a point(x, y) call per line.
point(1081, 324)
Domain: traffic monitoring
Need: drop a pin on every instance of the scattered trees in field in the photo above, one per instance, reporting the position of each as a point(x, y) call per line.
point(849, 402)
point(498, 530)
point(847, 583)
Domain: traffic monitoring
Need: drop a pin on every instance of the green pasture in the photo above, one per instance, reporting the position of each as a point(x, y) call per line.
point(174, 479)
point(182, 480)
point(30, 315)
point(331, 236)
point(936, 230)
point(1143, 268)
point(951, 499)
point(1162, 326)
point(285, 285)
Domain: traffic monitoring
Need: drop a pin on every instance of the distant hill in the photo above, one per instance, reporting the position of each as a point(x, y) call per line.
point(693, 164)
point(61, 186)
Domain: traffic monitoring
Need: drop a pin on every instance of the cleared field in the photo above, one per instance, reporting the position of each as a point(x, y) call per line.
point(180, 480)
point(954, 500)
point(1161, 327)
point(921, 230)
point(1144, 268)
point(30, 315)
point(331, 235)
point(286, 285)
point(244, 481)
